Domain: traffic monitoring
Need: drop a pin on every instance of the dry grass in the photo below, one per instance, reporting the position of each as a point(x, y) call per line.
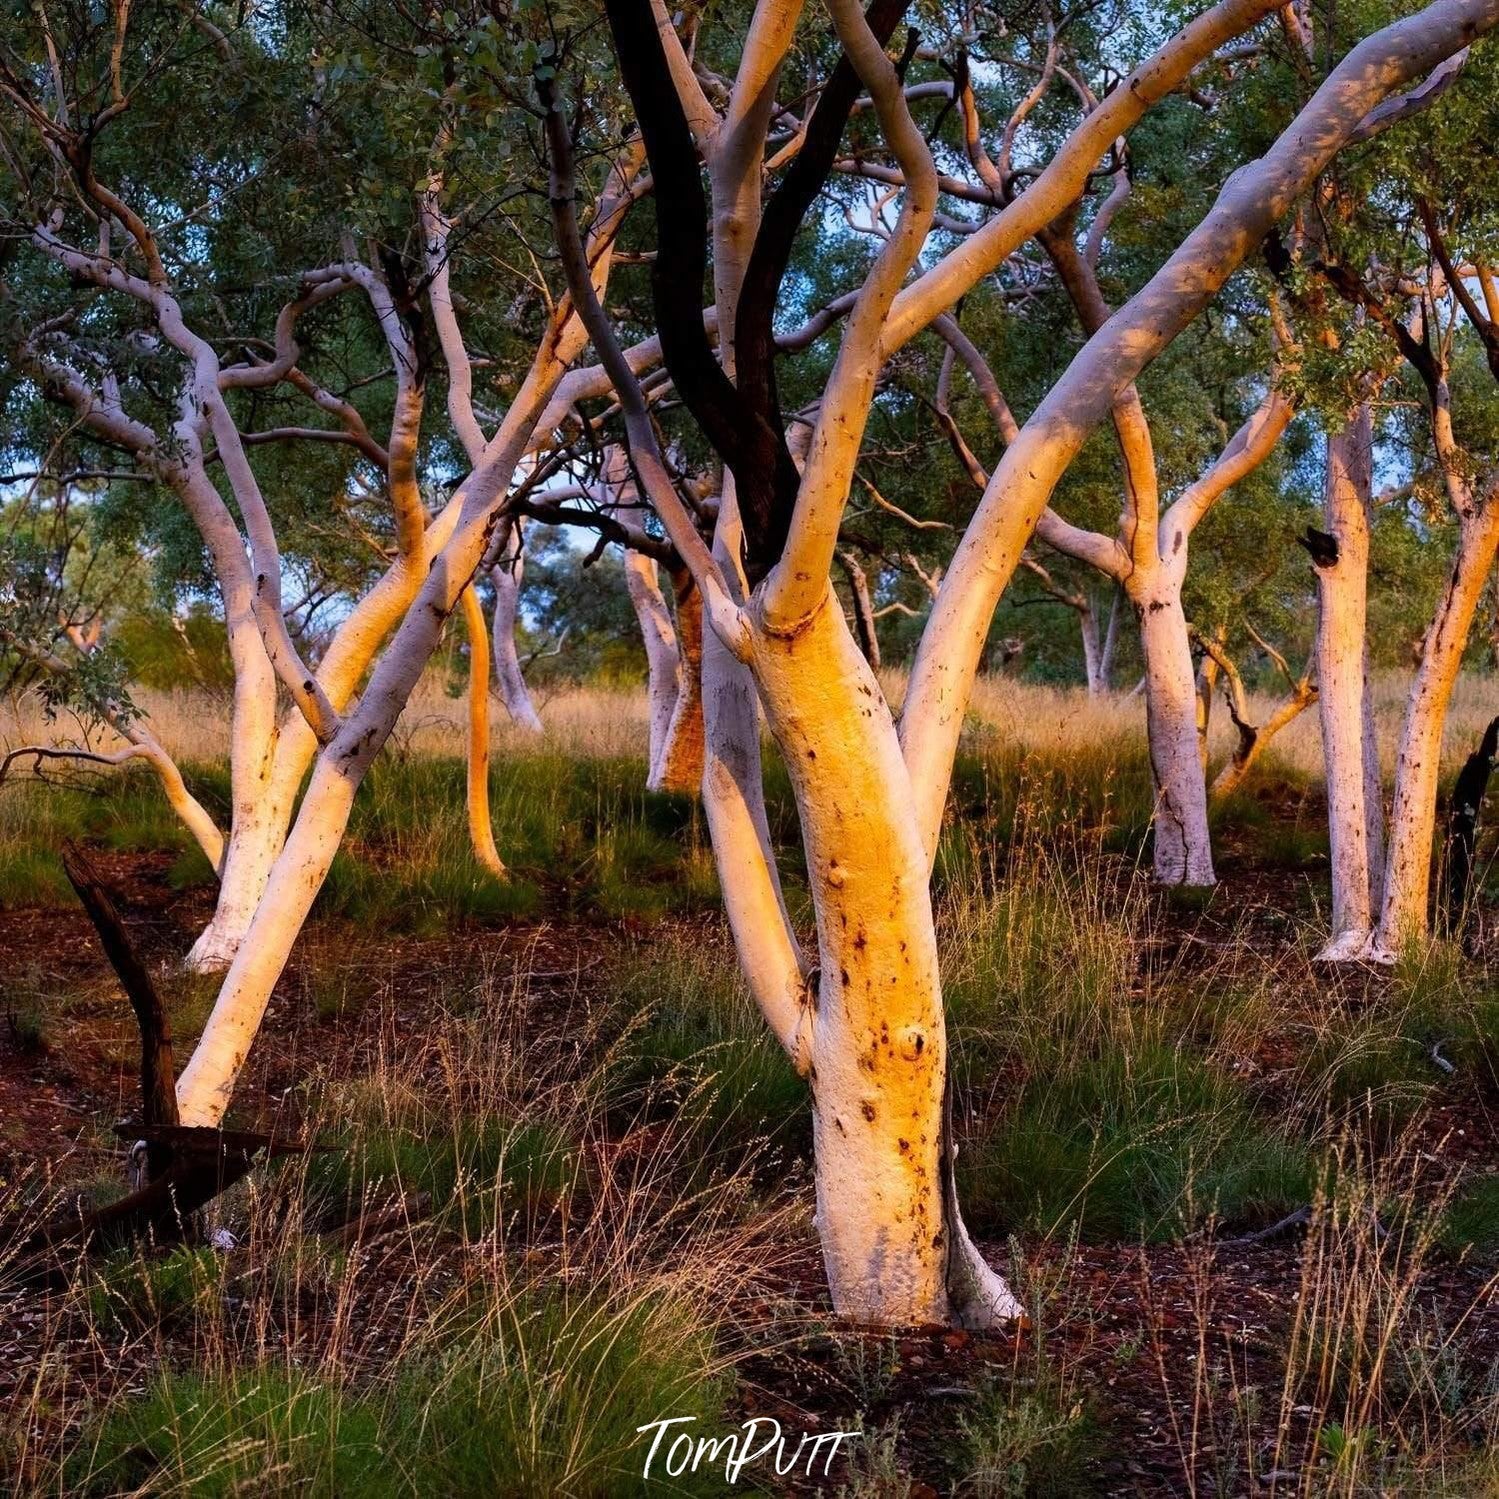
point(608, 1184)
point(586, 722)
point(593, 722)
point(473, 1308)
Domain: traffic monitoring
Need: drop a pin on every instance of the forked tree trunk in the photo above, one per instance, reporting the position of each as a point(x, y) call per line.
point(1354, 816)
point(894, 1247)
point(1183, 845)
point(516, 696)
point(272, 778)
point(1403, 917)
point(206, 1084)
point(1255, 740)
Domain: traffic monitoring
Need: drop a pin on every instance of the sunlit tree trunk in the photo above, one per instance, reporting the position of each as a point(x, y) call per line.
point(679, 766)
point(893, 1243)
point(1343, 700)
point(420, 591)
point(1183, 844)
point(1403, 917)
point(256, 827)
point(273, 780)
point(206, 1084)
point(662, 663)
point(480, 825)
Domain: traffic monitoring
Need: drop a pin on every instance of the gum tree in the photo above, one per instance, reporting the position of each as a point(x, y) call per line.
point(863, 1019)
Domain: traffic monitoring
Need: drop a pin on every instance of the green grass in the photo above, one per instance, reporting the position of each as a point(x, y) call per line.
point(1146, 1142)
point(1027, 1439)
point(1380, 1062)
point(698, 1045)
point(1102, 1103)
point(540, 1395)
point(580, 836)
point(473, 1170)
point(134, 1290)
point(127, 813)
point(267, 1430)
point(1470, 1225)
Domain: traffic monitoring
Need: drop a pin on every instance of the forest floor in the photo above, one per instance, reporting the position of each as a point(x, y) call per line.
point(1253, 1206)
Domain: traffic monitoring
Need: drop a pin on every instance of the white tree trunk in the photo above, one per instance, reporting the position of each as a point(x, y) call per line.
point(516, 696)
point(1183, 847)
point(1092, 653)
point(272, 777)
point(679, 766)
point(864, 620)
point(662, 664)
point(1110, 651)
point(1403, 916)
point(894, 1249)
point(1343, 700)
point(206, 1084)
point(1374, 809)
point(255, 839)
point(257, 824)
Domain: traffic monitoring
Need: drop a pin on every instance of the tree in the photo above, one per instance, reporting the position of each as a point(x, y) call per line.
point(869, 1035)
point(862, 1020)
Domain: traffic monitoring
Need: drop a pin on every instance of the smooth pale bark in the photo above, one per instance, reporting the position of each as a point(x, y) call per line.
point(516, 696)
point(255, 830)
point(1403, 917)
point(193, 815)
point(1093, 673)
point(207, 1082)
point(140, 744)
point(1343, 702)
point(894, 1247)
point(466, 528)
point(679, 767)
point(770, 956)
point(1183, 845)
point(864, 620)
point(1252, 200)
point(733, 785)
point(263, 814)
point(480, 826)
point(1065, 177)
point(1110, 650)
point(1374, 810)
point(820, 692)
point(1247, 754)
point(663, 666)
